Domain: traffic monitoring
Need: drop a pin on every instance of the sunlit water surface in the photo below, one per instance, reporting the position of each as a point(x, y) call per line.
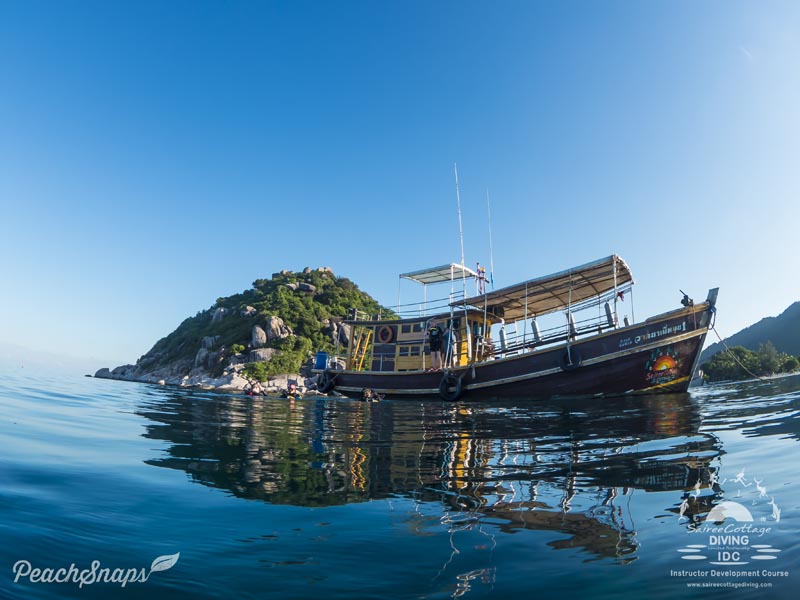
point(335, 498)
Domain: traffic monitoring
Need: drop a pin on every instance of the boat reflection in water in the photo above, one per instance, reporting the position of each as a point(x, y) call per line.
point(565, 466)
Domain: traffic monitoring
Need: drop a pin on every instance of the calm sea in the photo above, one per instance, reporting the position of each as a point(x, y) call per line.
point(219, 496)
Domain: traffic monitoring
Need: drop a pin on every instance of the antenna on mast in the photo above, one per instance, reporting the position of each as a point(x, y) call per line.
point(491, 253)
point(460, 228)
point(460, 231)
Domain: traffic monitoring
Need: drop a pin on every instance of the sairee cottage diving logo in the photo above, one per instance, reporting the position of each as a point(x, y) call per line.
point(662, 366)
point(733, 532)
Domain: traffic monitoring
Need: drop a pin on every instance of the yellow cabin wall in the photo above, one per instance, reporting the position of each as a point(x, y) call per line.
point(413, 338)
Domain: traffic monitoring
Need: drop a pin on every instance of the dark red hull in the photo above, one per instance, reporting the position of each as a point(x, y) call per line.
point(656, 356)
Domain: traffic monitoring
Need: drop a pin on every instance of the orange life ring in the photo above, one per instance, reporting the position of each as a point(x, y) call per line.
point(385, 334)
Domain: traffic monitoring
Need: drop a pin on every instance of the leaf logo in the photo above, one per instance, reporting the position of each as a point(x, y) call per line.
point(162, 563)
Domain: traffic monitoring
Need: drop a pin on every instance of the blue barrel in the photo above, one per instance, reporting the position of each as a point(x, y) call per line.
point(321, 361)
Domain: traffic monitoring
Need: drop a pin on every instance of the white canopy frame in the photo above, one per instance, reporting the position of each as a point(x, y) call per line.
point(447, 273)
point(559, 291)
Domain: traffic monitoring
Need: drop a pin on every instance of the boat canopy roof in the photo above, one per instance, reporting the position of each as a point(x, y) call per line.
point(554, 292)
point(441, 274)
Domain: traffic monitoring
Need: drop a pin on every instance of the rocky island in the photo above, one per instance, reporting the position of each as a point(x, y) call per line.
point(265, 335)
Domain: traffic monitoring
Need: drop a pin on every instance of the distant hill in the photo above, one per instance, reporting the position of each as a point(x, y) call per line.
point(783, 331)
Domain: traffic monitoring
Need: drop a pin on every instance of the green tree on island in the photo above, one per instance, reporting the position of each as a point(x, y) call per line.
point(306, 301)
point(740, 362)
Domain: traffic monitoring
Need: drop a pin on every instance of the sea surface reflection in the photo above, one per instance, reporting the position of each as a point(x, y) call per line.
point(566, 466)
point(335, 498)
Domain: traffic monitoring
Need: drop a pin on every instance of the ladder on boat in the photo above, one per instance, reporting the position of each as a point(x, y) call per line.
point(362, 339)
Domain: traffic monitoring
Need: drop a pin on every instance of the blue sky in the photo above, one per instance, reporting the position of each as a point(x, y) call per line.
point(155, 156)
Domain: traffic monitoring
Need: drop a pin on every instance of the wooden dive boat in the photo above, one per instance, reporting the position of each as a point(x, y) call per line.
point(586, 353)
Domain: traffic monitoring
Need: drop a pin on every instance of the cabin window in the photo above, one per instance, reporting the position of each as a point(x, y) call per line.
point(405, 329)
point(403, 351)
point(417, 327)
point(383, 364)
point(414, 350)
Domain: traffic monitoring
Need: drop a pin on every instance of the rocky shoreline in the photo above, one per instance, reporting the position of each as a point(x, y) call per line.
point(230, 381)
point(196, 373)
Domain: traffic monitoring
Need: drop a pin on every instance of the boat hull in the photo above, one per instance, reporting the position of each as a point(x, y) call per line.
point(656, 356)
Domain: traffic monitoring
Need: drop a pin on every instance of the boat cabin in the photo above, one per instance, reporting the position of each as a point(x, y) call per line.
point(403, 344)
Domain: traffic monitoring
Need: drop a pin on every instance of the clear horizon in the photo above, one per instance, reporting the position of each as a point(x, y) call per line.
point(155, 157)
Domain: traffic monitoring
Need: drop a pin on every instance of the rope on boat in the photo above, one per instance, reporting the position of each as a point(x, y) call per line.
point(736, 358)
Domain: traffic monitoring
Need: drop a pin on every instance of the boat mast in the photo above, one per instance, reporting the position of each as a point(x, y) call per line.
point(460, 230)
point(491, 253)
point(463, 272)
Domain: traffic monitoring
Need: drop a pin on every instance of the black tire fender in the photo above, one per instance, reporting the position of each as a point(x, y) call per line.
point(571, 359)
point(325, 382)
point(451, 380)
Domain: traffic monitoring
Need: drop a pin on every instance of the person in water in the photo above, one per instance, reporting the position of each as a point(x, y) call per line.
point(435, 344)
point(370, 395)
point(254, 388)
point(291, 392)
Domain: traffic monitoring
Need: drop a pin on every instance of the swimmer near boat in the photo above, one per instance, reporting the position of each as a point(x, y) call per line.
point(291, 392)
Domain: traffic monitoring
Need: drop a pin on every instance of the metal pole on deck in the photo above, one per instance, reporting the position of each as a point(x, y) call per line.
point(616, 292)
point(460, 232)
point(491, 252)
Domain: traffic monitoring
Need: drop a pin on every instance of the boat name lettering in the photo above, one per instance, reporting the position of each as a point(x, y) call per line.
point(652, 335)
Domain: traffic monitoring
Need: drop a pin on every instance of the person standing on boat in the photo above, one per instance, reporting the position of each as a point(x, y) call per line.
point(435, 343)
point(481, 279)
